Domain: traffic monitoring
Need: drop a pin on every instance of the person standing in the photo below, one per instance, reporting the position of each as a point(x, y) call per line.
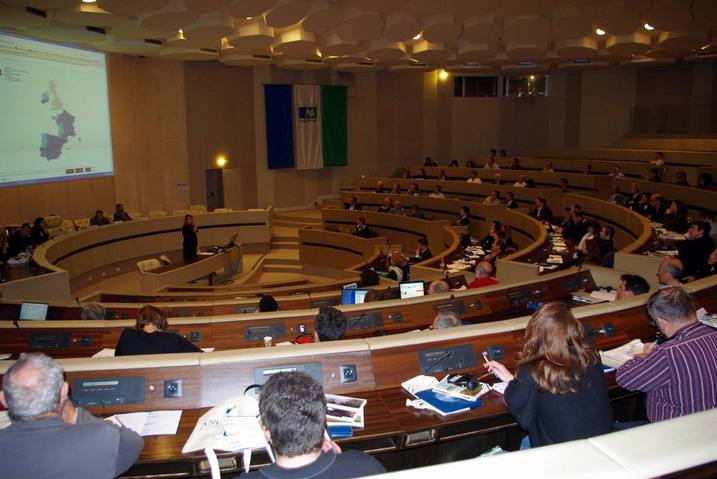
point(189, 235)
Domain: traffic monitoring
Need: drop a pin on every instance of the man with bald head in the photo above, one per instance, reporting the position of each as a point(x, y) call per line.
point(484, 276)
point(438, 286)
point(49, 437)
point(669, 272)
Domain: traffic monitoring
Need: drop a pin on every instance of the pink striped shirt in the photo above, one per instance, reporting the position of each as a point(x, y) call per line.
point(679, 376)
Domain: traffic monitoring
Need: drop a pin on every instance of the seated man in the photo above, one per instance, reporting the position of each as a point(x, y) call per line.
point(93, 311)
point(510, 200)
point(150, 336)
point(678, 376)
point(329, 324)
point(669, 272)
point(121, 214)
point(19, 240)
point(657, 208)
point(415, 212)
point(385, 206)
point(99, 219)
point(49, 436)
point(379, 187)
point(463, 217)
point(268, 304)
point(437, 192)
point(429, 162)
point(696, 250)
point(473, 178)
point(397, 208)
point(541, 211)
point(438, 286)
point(445, 319)
point(522, 182)
point(631, 285)
point(352, 205)
point(292, 408)
point(484, 276)
point(422, 251)
point(362, 230)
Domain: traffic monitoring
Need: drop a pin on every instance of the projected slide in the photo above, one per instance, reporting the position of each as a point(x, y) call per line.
point(55, 121)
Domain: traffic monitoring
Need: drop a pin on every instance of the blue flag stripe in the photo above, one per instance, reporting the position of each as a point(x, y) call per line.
point(279, 127)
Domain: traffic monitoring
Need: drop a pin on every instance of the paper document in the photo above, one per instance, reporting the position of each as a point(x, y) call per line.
point(5, 356)
point(620, 355)
point(604, 295)
point(155, 423)
point(105, 353)
point(4, 419)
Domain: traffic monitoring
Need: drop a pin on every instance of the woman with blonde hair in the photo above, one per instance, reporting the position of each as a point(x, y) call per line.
point(558, 393)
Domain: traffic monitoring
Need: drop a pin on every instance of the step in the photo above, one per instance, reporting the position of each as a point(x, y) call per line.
point(293, 224)
point(284, 244)
point(282, 260)
point(284, 268)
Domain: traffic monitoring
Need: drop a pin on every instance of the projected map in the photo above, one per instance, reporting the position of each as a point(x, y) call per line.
point(51, 145)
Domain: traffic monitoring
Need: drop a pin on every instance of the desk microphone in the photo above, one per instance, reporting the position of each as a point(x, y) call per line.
point(14, 321)
point(311, 301)
point(78, 301)
point(357, 321)
point(446, 355)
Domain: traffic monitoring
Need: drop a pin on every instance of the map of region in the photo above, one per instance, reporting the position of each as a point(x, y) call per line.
point(51, 144)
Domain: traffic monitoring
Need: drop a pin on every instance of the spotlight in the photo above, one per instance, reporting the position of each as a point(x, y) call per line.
point(443, 75)
point(648, 27)
point(599, 31)
point(417, 36)
point(221, 161)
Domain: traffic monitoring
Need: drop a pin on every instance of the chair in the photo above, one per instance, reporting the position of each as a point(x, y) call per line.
point(223, 210)
point(179, 212)
point(68, 226)
point(148, 264)
point(157, 214)
point(197, 209)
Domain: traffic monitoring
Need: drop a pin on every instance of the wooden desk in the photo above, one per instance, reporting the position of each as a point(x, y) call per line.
point(189, 270)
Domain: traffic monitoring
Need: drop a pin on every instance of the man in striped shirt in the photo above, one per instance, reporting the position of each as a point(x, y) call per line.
point(678, 376)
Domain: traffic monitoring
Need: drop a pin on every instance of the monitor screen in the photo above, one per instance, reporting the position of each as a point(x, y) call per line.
point(360, 295)
point(412, 289)
point(33, 311)
point(351, 286)
point(353, 296)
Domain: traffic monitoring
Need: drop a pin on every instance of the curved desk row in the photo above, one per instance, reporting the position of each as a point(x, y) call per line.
point(381, 364)
point(84, 338)
point(83, 256)
point(695, 199)
point(675, 157)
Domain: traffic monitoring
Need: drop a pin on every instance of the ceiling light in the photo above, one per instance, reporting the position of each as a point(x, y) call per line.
point(417, 36)
point(705, 47)
point(648, 27)
point(248, 18)
point(180, 34)
point(89, 1)
point(443, 75)
point(221, 161)
point(599, 31)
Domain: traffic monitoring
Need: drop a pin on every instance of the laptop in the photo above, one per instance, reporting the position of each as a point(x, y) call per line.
point(412, 289)
point(33, 311)
point(353, 296)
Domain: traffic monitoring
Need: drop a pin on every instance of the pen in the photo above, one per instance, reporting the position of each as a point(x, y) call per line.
point(485, 356)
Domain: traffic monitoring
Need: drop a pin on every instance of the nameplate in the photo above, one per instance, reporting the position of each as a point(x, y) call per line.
point(456, 307)
point(571, 284)
point(261, 375)
point(49, 341)
point(108, 391)
point(517, 297)
point(256, 333)
point(364, 321)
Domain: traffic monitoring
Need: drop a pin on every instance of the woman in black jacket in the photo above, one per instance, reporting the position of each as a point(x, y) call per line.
point(149, 336)
point(189, 234)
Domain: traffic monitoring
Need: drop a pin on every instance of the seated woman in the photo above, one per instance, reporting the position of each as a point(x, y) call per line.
point(396, 267)
point(487, 242)
point(442, 176)
point(558, 393)
point(396, 189)
point(675, 218)
point(150, 337)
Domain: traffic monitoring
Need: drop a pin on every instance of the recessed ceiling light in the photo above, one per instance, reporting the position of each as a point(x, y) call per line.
point(648, 27)
point(600, 31)
point(417, 36)
point(248, 18)
point(180, 34)
point(89, 1)
point(705, 47)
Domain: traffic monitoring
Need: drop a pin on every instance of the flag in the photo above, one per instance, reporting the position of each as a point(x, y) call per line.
point(306, 126)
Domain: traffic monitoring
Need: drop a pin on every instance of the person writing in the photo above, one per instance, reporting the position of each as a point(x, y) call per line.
point(189, 235)
point(150, 336)
point(558, 393)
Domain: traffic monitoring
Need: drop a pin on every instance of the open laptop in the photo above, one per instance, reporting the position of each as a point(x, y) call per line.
point(412, 289)
point(33, 311)
point(353, 296)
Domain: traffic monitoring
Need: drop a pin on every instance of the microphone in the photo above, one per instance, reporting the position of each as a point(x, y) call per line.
point(311, 301)
point(446, 355)
point(14, 321)
point(357, 321)
point(78, 301)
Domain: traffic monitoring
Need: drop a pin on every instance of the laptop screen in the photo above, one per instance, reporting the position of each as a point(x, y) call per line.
point(353, 296)
point(411, 289)
point(33, 311)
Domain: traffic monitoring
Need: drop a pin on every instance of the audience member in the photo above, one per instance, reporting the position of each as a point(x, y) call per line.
point(267, 304)
point(711, 267)
point(521, 183)
point(99, 219)
point(491, 164)
point(422, 174)
point(588, 170)
point(606, 243)
point(453, 164)
point(473, 178)
point(292, 408)
point(471, 164)
point(437, 192)
point(563, 184)
point(705, 182)
point(681, 179)
point(558, 393)
point(631, 285)
point(429, 162)
point(497, 179)
point(422, 251)
point(379, 187)
point(463, 217)
point(39, 233)
point(617, 197)
point(617, 172)
point(653, 174)
point(362, 230)
point(416, 212)
point(405, 174)
point(633, 196)
point(395, 190)
point(369, 277)
point(413, 190)
point(442, 176)
point(575, 227)
point(709, 218)
point(93, 311)
point(515, 164)
point(397, 208)
point(669, 272)
point(150, 336)
point(530, 183)
point(659, 160)
point(678, 376)
point(438, 286)
point(445, 320)
point(49, 436)
point(396, 267)
point(121, 214)
point(19, 240)
point(696, 250)
point(487, 242)
point(503, 153)
point(329, 324)
point(374, 295)
point(511, 202)
point(642, 206)
point(484, 276)
point(657, 208)
point(541, 211)
point(353, 205)
point(549, 167)
point(386, 206)
point(675, 217)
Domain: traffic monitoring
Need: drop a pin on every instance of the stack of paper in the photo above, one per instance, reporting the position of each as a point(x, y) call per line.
point(155, 423)
point(422, 388)
point(622, 354)
point(461, 392)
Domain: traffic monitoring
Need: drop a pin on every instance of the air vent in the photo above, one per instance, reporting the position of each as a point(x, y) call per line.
point(153, 42)
point(262, 57)
point(209, 50)
point(313, 60)
point(35, 11)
